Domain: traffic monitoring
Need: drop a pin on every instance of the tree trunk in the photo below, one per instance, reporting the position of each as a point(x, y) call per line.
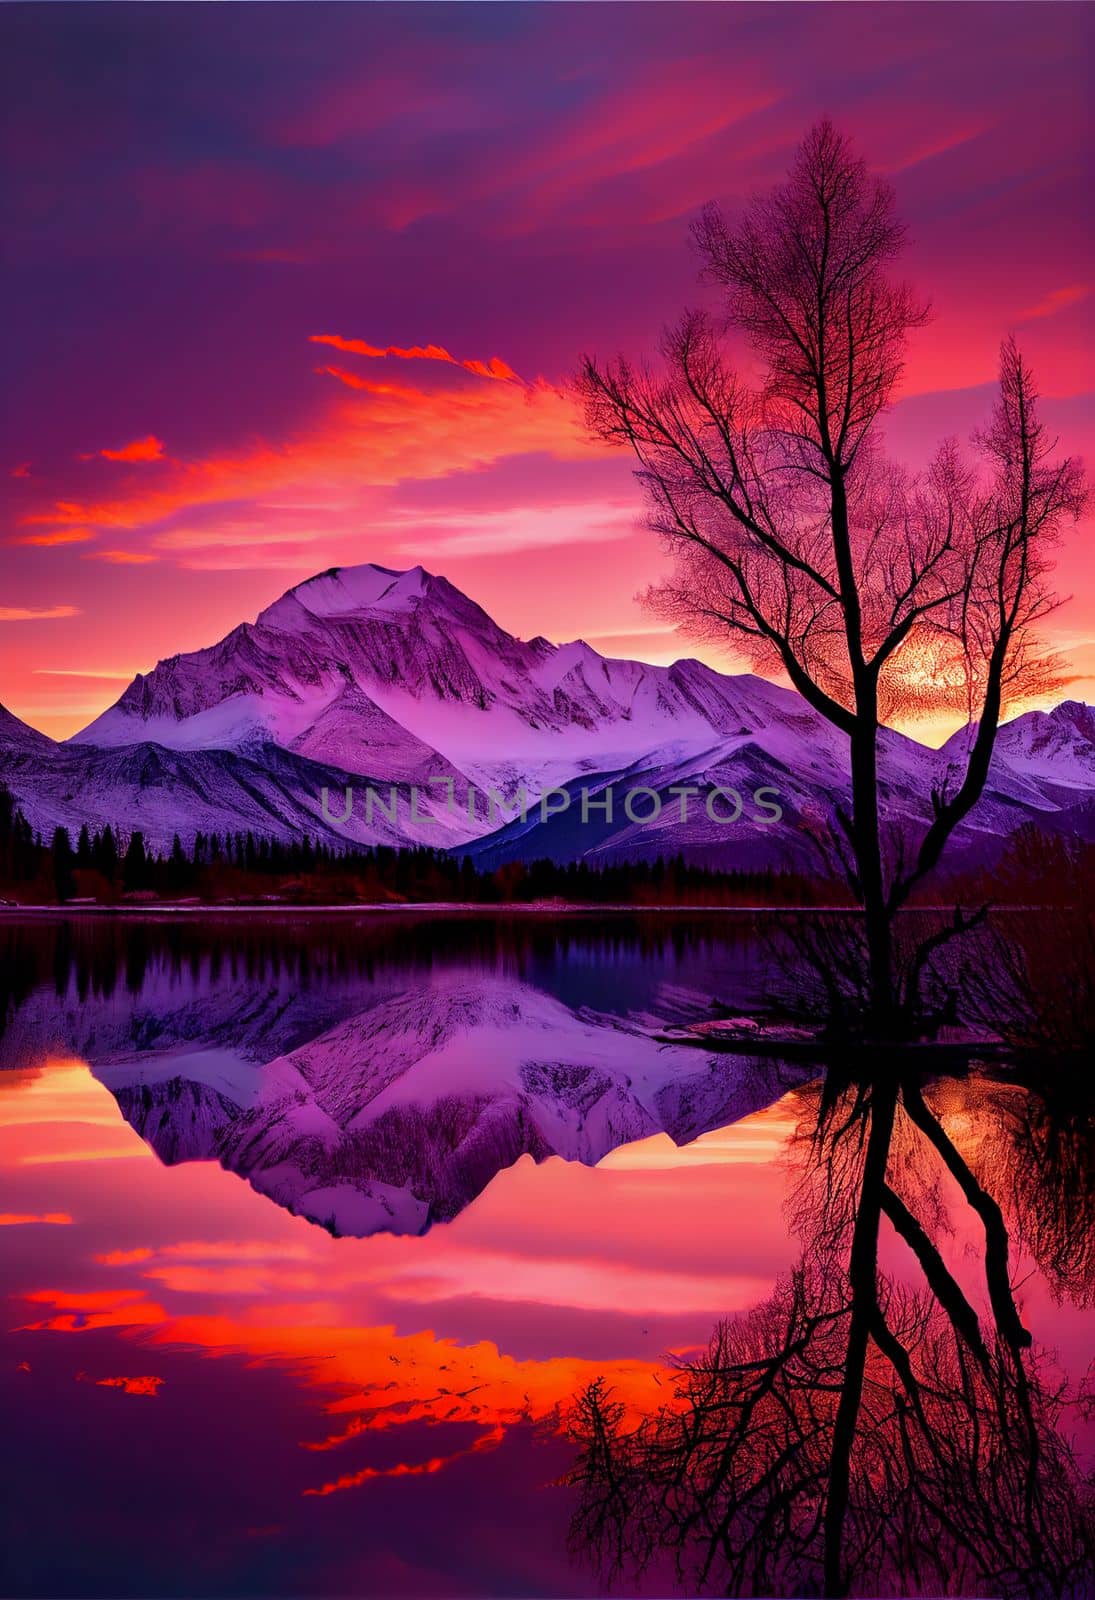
point(862, 1276)
point(868, 851)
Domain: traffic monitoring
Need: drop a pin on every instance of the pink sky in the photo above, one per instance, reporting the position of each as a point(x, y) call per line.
point(299, 289)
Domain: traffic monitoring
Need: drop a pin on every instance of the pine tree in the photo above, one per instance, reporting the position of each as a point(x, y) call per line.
point(135, 866)
point(64, 879)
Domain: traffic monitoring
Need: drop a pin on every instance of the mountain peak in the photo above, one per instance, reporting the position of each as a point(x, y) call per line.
point(340, 591)
point(370, 591)
point(18, 735)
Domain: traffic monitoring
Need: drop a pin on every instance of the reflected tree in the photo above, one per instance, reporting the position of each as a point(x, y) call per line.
point(1035, 986)
point(854, 1434)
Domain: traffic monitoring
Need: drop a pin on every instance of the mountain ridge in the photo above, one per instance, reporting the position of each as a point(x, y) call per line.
point(371, 677)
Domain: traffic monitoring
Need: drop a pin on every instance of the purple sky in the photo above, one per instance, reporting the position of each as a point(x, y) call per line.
point(195, 193)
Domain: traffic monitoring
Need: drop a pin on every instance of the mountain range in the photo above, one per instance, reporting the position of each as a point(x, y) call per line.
point(363, 678)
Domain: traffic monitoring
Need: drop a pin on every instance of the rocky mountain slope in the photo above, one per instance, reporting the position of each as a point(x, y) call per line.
point(396, 683)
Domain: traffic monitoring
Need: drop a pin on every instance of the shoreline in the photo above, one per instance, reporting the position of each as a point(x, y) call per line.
point(169, 910)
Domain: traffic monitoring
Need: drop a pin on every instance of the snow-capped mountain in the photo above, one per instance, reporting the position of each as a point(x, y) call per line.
point(370, 679)
point(266, 790)
point(1054, 748)
point(362, 657)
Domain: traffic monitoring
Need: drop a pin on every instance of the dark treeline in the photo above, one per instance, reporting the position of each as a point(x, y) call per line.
point(109, 867)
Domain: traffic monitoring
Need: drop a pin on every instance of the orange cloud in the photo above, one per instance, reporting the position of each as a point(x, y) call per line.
point(384, 435)
point(147, 449)
point(494, 368)
point(94, 1308)
point(121, 558)
point(353, 380)
point(369, 1378)
point(22, 470)
point(489, 1440)
point(101, 674)
point(57, 536)
point(29, 614)
point(18, 1219)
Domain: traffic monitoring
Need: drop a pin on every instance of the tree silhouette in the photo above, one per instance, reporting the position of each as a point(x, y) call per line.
point(64, 861)
point(878, 592)
point(1034, 983)
point(854, 1434)
point(135, 863)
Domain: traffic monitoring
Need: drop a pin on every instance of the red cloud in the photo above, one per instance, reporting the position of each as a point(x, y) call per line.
point(147, 449)
point(15, 1219)
point(57, 536)
point(1058, 300)
point(494, 368)
point(382, 434)
point(352, 380)
point(358, 347)
point(147, 1386)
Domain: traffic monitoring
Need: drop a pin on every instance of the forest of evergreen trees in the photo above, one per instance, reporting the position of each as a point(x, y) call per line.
point(108, 867)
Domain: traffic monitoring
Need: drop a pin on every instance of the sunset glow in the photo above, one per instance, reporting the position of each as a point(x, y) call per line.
point(470, 204)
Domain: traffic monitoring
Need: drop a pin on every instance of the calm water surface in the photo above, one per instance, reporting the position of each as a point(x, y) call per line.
point(290, 1307)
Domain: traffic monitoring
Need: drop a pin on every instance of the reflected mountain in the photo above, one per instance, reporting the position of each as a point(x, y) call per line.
point(375, 1073)
point(400, 1115)
point(885, 1421)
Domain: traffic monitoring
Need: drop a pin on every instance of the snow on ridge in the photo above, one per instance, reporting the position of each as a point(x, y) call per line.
point(366, 671)
point(344, 591)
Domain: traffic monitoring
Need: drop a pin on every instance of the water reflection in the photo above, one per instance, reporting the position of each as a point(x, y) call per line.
point(898, 1273)
point(402, 1114)
point(377, 1076)
point(863, 1431)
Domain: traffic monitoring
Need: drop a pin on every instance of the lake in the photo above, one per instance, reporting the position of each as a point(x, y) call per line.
point(316, 1230)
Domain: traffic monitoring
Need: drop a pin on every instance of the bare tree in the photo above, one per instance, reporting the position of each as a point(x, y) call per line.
point(877, 592)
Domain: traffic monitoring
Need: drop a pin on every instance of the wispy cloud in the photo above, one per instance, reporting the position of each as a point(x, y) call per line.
point(57, 536)
point(29, 614)
point(121, 558)
point(99, 674)
point(1057, 300)
point(494, 368)
point(20, 1219)
point(512, 529)
point(332, 468)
